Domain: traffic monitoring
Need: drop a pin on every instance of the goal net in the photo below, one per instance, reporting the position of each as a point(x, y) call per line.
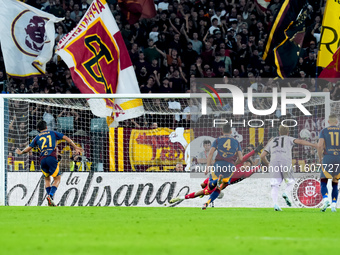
point(171, 132)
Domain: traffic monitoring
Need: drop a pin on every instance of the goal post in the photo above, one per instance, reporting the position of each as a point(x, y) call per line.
point(149, 144)
point(66, 124)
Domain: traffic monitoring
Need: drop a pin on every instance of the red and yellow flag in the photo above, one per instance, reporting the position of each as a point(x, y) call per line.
point(99, 62)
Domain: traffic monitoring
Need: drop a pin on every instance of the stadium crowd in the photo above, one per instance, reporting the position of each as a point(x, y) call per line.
point(187, 40)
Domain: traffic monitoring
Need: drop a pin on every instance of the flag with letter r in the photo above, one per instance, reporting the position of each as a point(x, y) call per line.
point(99, 62)
point(27, 38)
point(330, 33)
point(287, 32)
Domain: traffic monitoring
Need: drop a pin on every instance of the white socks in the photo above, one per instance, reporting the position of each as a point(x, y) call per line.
point(275, 193)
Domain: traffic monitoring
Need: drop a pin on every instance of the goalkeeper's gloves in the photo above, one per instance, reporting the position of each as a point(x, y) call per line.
point(259, 148)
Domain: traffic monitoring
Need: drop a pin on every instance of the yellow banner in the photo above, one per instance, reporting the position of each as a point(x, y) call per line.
point(330, 33)
point(157, 147)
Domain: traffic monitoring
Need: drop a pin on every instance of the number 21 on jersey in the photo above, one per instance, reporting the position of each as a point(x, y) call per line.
point(43, 139)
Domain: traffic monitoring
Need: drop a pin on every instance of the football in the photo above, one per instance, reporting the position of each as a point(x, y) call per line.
point(304, 134)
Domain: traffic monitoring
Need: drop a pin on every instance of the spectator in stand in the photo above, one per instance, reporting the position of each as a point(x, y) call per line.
point(69, 24)
point(208, 54)
point(151, 52)
point(141, 66)
point(179, 167)
point(127, 35)
point(178, 81)
point(60, 33)
point(196, 44)
point(139, 35)
point(49, 118)
point(84, 6)
point(76, 13)
point(189, 57)
point(2, 76)
point(335, 93)
point(153, 35)
point(150, 86)
point(57, 10)
point(165, 86)
point(69, 5)
point(134, 55)
point(217, 15)
point(310, 63)
point(22, 89)
point(214, 26)
point(163, 22)
point(175, 45)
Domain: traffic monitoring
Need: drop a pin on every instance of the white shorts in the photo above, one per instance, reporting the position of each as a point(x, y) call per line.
point(281, 171)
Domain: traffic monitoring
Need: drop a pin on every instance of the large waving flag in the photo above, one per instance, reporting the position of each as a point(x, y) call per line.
point(137, 9)
point(330, 33)
point(286, 54)
point(99, 62)
point(27, 38)
point(286, 36)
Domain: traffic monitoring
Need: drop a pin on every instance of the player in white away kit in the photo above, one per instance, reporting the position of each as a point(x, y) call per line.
point(280, 166)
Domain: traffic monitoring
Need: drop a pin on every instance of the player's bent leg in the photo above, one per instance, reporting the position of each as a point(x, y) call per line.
point(219, 181)
point(286, 198)
point(212, 197)
point(57, 180)
point(176, 199)
point(221, 195)
point(288, 189)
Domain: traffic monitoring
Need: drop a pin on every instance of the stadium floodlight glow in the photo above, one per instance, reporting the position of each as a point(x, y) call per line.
point(238, 100)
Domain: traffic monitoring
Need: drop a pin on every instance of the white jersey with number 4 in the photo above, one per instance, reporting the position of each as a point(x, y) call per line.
point(280, 149)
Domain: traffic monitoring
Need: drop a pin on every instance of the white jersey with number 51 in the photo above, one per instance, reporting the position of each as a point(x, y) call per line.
point(280, 149)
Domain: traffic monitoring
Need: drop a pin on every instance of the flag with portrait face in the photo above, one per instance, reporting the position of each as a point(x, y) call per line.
point(27, 37)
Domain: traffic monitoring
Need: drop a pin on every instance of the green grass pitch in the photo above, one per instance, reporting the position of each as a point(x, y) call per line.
point(149, 230)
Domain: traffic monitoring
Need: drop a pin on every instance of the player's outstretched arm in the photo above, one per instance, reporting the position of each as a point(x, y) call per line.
point(305, 143)
point(320, 148)
point(20, 152)
point(239, 157)
point(75, 147)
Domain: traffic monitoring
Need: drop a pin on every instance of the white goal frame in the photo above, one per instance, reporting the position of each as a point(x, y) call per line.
point(203, 96)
